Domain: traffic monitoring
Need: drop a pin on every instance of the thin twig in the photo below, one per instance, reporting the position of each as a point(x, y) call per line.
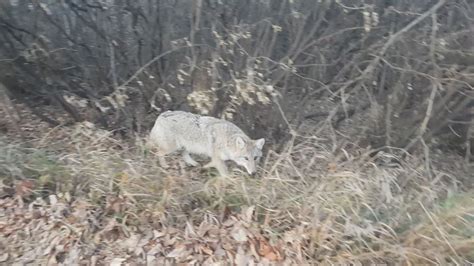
point(145, 66)
point(434, 90)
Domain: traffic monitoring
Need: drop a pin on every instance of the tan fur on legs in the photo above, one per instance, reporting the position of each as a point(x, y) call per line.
point(163, 150)
point(219, 165)
point(222, 168)
point(161, 160)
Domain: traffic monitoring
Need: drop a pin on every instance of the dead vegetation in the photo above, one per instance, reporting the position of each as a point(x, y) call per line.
point(401, 69)
point(367, 107)
point(85, 202)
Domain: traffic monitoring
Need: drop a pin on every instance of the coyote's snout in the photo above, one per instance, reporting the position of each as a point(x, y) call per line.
point(217, 138)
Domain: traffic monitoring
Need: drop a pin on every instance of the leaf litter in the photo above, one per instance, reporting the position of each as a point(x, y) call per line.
point(61, 232)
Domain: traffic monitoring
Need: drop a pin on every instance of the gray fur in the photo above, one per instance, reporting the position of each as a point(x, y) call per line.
point(216, 138)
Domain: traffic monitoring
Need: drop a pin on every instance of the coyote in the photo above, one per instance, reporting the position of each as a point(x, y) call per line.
point(204, 135)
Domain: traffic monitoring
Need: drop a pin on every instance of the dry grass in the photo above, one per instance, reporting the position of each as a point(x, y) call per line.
point(309, 204)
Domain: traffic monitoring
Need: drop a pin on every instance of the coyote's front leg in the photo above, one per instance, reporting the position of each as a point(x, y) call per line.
point(187, 158)
point(219, 165)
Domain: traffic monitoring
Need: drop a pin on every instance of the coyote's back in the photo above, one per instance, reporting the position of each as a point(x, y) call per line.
point(217, 138)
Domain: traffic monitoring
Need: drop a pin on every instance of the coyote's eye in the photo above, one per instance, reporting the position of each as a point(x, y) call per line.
point(255, 158)
point(246, 158)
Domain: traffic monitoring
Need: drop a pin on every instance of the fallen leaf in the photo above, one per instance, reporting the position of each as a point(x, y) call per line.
point(117, 261)
point(94, 260)
point(272, 256)
point(53, 200)
point(115, 204)
point(219, 251)
point(239, 234)
point(150, 260)
point(157, 234)
point(203, 228)
point(177, 252)
point(24, 188)
point(267, 251)
point(4, 257)
point(240, 258)
point(253, 250)
point(206, 250)
point(130, 243)
point(189, 231)
point(155, 250)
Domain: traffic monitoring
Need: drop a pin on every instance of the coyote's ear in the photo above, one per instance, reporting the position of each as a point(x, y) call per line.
point(240, 142)
point(259, 143)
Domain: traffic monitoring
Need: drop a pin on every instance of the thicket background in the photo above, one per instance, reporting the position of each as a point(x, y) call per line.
point(403, 67)
point(367, 107)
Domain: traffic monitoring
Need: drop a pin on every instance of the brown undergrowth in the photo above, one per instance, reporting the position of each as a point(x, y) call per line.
point(76, 195)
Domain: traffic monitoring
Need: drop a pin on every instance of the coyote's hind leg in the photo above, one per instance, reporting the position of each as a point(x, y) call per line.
point(163, 149)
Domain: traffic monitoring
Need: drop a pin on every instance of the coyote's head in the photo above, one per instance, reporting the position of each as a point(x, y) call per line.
point(248, 152)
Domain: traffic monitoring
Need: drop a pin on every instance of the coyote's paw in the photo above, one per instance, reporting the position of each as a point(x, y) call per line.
point(192, 163)
point(189, 160)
